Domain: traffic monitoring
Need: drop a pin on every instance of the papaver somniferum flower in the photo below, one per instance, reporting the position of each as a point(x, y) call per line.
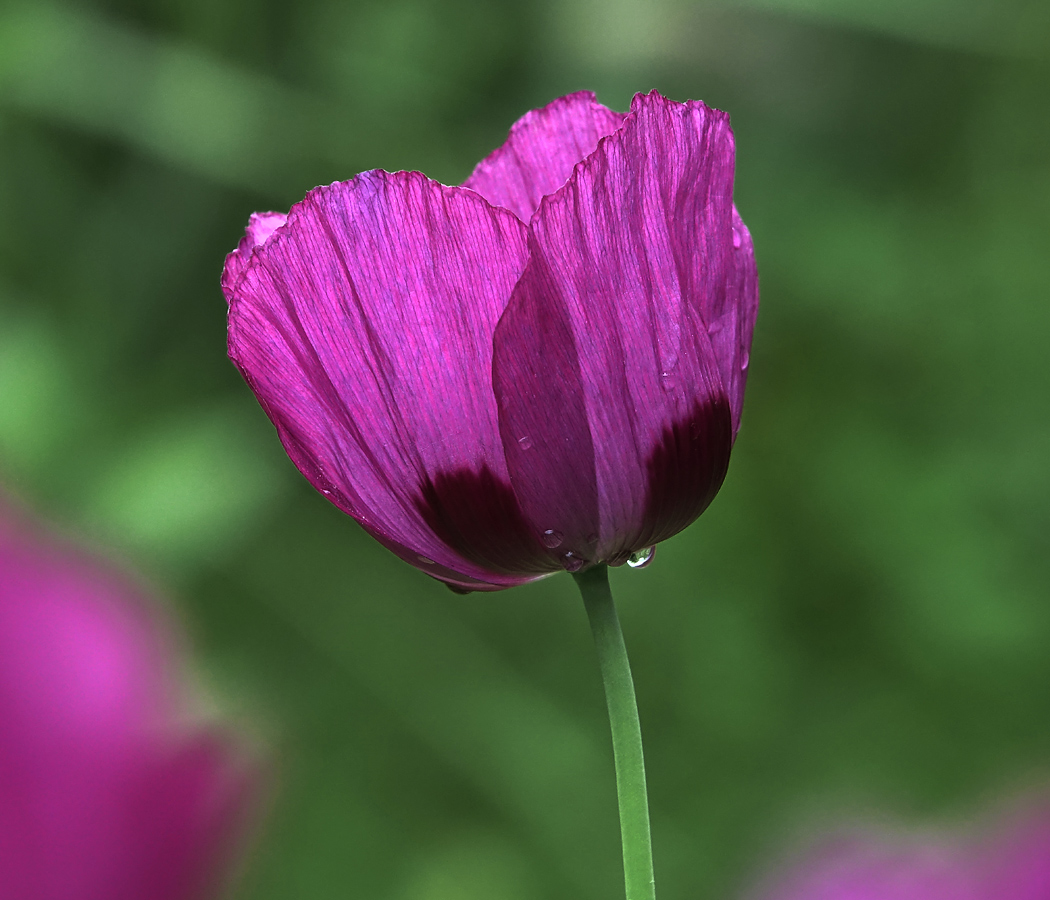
point(107, 790)
point(541, 369)
point(1012, 862)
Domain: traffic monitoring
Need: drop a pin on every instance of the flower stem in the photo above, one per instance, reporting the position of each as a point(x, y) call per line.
point(626, 732)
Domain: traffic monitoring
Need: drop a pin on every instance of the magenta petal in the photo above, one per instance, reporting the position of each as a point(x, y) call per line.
point(192, 803)
point(106, 792)
point(871, 868)
point(537, 377)
point(1020, 866)
point(260, 227)
point(603, 358)
point(541, 151)
point(364, 327)
point(730, 318)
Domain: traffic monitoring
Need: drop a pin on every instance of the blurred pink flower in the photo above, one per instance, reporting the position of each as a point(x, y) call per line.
point(1009, 862)
point(542, 369)
point(107, 791)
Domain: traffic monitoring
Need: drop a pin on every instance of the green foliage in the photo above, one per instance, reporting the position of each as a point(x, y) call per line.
point(860, 620)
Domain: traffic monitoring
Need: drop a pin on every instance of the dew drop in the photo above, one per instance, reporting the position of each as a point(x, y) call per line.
point(572, 562)
point(745, 361)
point(737, 239)
point(667, 381)
point(641, 558)
point(715, 327)
point(525, 442)
point(552, 538)
point(426, 560)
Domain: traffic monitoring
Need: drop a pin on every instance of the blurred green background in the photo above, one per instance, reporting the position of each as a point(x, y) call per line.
point(860, 622)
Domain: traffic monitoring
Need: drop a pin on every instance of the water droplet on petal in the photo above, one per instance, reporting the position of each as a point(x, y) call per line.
point(426, 560)
point(641, 558)
point(667, 381)
point(745, 361)
point(572, 562)
point(525, 442)
point(737, 239)
point(552, 538)
point(715, 327)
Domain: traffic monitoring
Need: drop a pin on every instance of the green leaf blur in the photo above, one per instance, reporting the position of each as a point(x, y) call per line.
point(859, 622)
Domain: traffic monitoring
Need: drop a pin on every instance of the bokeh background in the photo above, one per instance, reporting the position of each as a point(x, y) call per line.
point(859, 623)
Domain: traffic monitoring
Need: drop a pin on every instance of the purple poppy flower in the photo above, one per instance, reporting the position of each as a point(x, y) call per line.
point(541, 369)
point(1013, 862)
point(106, 792)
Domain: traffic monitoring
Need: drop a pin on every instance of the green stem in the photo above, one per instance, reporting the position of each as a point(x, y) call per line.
point(626, 732)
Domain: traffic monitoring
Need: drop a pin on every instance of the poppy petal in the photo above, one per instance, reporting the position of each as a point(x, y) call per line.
point(91, 804)
point(730, 318)
point(605, 340)
point(364, 327)
point(260, 227)
point(541, 151)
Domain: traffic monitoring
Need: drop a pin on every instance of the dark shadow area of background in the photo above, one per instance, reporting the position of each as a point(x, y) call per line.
point(859, 622)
